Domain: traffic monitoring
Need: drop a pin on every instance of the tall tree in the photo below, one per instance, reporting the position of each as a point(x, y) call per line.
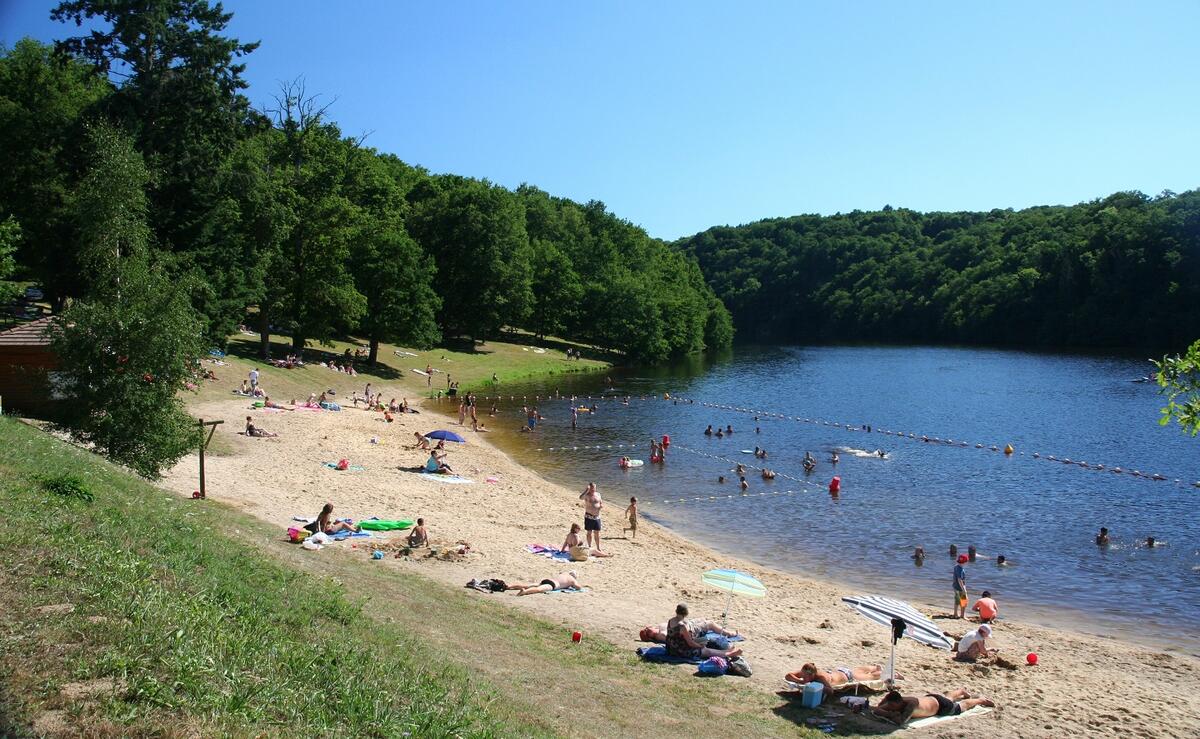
point(10, 236)
point(128, 346)
point(476, 234)
point(44, 100)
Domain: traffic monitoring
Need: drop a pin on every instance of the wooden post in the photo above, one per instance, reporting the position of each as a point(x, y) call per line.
point(204, 445)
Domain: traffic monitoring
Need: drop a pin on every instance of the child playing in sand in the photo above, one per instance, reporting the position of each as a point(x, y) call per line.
point(631, 513)
point(419, 536)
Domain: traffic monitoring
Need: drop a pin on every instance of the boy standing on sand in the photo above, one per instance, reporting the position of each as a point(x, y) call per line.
point(960, 587)
point(632, 514)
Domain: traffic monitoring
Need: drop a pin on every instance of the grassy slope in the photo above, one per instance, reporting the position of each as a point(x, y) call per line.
point(210, 623)
point(473, 369)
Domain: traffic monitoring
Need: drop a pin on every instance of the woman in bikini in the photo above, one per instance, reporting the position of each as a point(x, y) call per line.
point(325, 522)
point(836, 678)
point(682, 641)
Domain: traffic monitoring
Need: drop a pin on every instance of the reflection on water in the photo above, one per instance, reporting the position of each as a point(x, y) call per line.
point(1041, 515)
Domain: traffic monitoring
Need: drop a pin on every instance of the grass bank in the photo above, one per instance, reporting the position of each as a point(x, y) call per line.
point(140, 613)
point(472, 366)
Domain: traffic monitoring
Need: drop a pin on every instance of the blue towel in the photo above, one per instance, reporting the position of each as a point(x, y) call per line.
point(659, 654)
point(569, 590)
point(344, 534)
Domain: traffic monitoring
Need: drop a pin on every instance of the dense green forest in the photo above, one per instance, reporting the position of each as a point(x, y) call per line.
point(1120, 272)
point(277, 217)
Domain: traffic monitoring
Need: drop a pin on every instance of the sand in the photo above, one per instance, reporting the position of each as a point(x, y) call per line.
point(1084, 684)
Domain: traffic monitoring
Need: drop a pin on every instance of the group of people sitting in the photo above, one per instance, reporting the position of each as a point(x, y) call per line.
point(290, 362)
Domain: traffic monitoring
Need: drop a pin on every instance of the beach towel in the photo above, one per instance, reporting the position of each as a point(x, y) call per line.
point(548, 552)
point(873, 686)
point(344, 535)
point(449, 479)
point(567, 590)
point(351, 468)
point(659, 654)
point(930, 721)
point(330, 406)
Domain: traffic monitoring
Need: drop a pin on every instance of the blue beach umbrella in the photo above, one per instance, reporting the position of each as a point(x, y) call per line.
point(445, 436)
point(733, 583)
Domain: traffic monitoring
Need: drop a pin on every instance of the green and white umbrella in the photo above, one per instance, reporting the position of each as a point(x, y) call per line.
point(733, 583)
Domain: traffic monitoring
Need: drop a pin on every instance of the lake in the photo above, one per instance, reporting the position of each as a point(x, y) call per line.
point(1041, 514)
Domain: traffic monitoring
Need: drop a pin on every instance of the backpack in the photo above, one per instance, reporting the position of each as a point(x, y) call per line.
point(739, 667)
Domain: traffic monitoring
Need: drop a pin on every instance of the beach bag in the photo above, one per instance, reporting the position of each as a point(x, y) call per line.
point(580, 553)
point(714, 666)
point(739, 667)
point(298, 535)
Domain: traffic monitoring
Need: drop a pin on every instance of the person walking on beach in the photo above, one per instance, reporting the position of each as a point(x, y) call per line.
point(253, 379)
point(960, 587)
point(631, 513)
point(591, 514)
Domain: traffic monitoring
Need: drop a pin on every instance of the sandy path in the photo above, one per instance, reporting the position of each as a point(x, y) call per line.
point(1083, 684)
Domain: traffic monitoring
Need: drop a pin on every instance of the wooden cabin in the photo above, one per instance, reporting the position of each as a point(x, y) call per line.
point(26, 362)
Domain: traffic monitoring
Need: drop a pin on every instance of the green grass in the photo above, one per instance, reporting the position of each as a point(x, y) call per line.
point(210, 623)
point(471, 366)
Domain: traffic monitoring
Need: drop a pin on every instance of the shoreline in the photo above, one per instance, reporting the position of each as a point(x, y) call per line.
point(276, 479)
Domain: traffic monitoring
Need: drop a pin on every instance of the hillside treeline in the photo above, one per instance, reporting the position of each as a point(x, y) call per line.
point(277, 215)
point(1119, 272)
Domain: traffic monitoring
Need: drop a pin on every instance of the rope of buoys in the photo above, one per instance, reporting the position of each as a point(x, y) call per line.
point(748, 465)
point(1007, 449)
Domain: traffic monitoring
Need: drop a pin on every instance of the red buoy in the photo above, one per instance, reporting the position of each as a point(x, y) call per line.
point(666, 440)
point(835, 485)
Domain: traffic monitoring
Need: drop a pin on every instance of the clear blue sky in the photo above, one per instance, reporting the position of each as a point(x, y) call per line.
point(685, 115)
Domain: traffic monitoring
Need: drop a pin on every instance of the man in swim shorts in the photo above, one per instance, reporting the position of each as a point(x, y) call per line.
point(900, 709)
point(565, 581)
point(591, 515)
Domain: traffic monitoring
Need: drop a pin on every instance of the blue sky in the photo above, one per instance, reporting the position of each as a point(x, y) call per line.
point(684, 115)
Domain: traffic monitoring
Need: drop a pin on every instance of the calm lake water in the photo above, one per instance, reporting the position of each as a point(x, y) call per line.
point(1041, 515)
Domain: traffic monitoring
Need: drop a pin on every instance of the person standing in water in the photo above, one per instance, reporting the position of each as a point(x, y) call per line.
point(1102, 537)
point(960, 587)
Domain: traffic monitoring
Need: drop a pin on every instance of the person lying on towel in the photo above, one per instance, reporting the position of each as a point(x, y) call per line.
point(565, 581)
point(900, 709)
point(835, 678)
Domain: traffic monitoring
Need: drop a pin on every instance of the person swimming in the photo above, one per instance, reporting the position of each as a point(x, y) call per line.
point(1102, 537)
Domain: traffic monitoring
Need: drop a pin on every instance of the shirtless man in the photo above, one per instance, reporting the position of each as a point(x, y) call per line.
point(900, 709)
point(564, 581)
point(575, 546)
point(591, 514)
point(419, 536)
point(835, 678)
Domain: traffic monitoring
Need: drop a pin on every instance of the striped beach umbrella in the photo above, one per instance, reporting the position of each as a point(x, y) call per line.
point(903, 619)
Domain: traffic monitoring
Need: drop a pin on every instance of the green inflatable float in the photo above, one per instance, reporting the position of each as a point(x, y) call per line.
point(376, 525)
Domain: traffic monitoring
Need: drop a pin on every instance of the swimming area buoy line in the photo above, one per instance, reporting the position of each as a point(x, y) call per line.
point(768, 415)
point(925, 438)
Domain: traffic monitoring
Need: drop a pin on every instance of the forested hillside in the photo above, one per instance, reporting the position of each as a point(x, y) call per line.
point(1120, 272)
point(278, 217)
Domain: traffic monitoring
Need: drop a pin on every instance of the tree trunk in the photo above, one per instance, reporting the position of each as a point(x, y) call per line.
point(298, 342)
point(264, 332)
point(374, 353)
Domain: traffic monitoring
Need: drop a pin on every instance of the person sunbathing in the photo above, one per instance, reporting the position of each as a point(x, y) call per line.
point(252, 430)
point(900, 709)
point(683, 639)
point(268, 403)
point(658, 633)
point(578, 548)
point(437, 464)
point(836, 678)
point(325, 523)
point(565, 581)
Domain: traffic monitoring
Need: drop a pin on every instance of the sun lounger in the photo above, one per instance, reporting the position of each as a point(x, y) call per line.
point(871, 686)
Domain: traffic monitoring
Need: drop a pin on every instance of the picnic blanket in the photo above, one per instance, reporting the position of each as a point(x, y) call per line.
point(448, 479)
point(659, 654)
point(548, 552)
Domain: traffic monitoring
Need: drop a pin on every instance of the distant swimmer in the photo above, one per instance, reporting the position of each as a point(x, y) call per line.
point(834, 459)
point(768, 474)
point(918, 555)
point(728, 428)
point(882, 454)
point(708, 431)
point(1102, 537)
point(1001, 561)
point(743, 484)
point(721, 479)
point(1151, 543)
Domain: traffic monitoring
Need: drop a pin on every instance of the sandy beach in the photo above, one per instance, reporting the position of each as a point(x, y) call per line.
point(1082, 684)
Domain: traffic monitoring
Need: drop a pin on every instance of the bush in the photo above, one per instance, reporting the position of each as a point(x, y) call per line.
point(66, 486)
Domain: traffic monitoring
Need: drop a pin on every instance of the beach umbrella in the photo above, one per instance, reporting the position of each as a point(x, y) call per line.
point(445, 436)
point(903, 619)
point(733, 583)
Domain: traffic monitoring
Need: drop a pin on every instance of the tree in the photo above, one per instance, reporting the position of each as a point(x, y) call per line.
point(44, 100)
point(1179, 380)
point(475, 232)
point(10, 236)
point(397, 280)
point(129, 345)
